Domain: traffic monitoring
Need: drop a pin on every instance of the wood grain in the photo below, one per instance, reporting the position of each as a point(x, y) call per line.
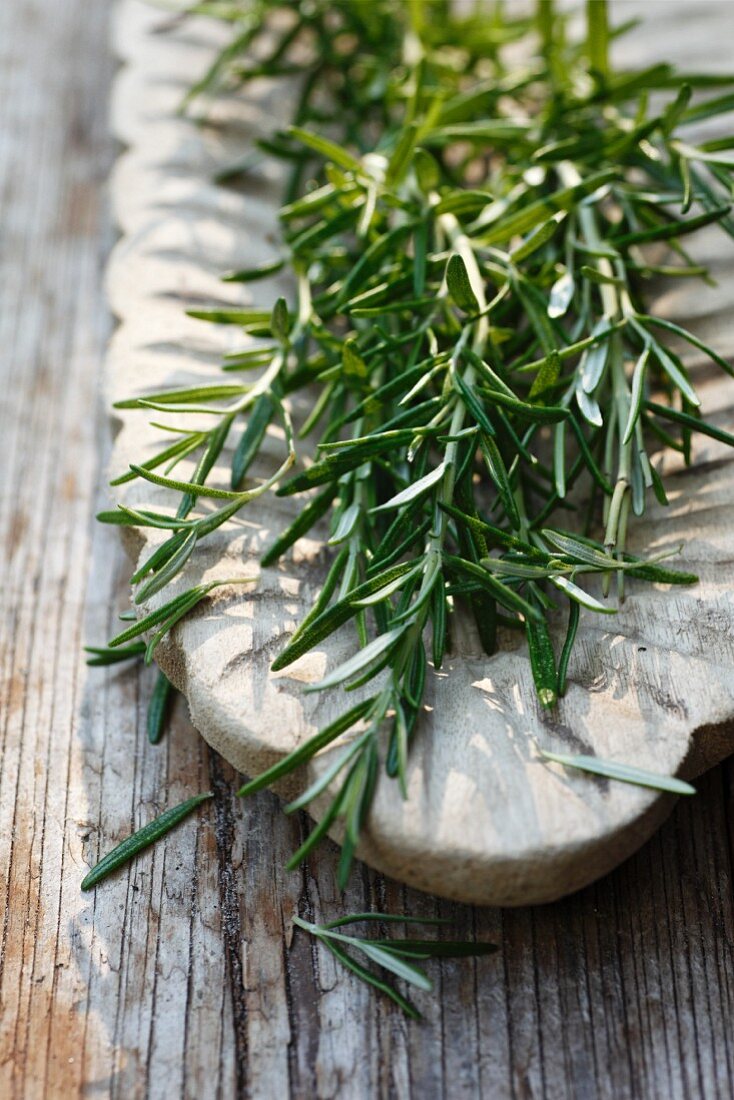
point(181, 978)
point(485, 820)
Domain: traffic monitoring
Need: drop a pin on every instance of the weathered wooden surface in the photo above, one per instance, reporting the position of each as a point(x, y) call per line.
point(486, 820)
point(180, 977)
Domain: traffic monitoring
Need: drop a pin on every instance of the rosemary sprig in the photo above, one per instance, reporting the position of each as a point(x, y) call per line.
point(469, 248)
point(396, 956)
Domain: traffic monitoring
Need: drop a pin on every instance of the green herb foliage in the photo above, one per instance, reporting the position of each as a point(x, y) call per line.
point(468, 239)
point(396, 956)
point(142, 839)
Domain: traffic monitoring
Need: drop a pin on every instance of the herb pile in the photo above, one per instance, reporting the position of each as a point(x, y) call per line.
point(473, 242)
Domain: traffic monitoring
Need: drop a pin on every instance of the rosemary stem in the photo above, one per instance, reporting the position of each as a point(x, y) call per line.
point(478, 331)
point(615, 308)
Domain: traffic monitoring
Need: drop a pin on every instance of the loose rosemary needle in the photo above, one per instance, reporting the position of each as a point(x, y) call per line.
point(472, 245)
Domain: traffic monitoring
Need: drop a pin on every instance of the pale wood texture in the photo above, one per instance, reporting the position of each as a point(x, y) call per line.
point(181, 977)
point(485, 821)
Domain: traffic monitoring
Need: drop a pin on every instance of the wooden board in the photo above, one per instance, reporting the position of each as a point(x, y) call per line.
point(182, 977)
point(486, 820)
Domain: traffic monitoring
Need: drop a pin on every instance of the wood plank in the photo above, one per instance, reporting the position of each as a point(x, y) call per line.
point(181, 977)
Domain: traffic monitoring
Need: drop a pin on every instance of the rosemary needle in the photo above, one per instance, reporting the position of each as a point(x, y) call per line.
point(143, 838)
point(397, 956)
point(158, 707)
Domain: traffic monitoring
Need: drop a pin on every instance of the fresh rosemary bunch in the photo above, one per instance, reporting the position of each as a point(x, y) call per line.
point(473, 245)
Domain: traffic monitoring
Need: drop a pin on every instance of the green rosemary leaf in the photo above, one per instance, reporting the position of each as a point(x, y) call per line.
point(280, 321)
point(597, 335)
point(658, 575)
point(474, 406)
point(168, 624)
point(185, 486)
point(383, 593)
point(690, 338)
point(589, 409)
point(536, 414)
point(674, 372)
point(574, 616)
point(372, 979)
point(501, 130)
point(153, 619)
point(352, 361)
point(597, 39)
point(416, 489)
point(388, 961)
point(426, 170)
point(577, 549)
point(625, 773)
point(561, 295)
point(346, 525)
point(251, 274)
point(542, 661)
point(509, 567)
point(180, 448)
point(182, 396)
point(693, 422)
point(408, 306)
point(547, 375)
point(249, 359)
point(638, 379)
point(674, 110)
point(464, 202)
point(325, 148)
point(533, 214)
point(333, 577)
point(334, 617)
point(172, 608)
point(402, 155)
point(230, 316)
point(594, 275)
point(559, 458)
point(308, 749)
point(360, 661)
point(158, 708)
point(171, 569)
point(580, 596)
point(501, 592)
point(142, 839)
point(594, 361)
point(709, 108)
point(348, 456)
point(535, 240)
point(500, 477)
point(105, 655)
point(322, 827)
point(251, 439)
point(588, 458)
point(388, 918)
point(459, 284)
point(671, 231)
point(130, 517)
point(494, 535)
point(212, 451)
